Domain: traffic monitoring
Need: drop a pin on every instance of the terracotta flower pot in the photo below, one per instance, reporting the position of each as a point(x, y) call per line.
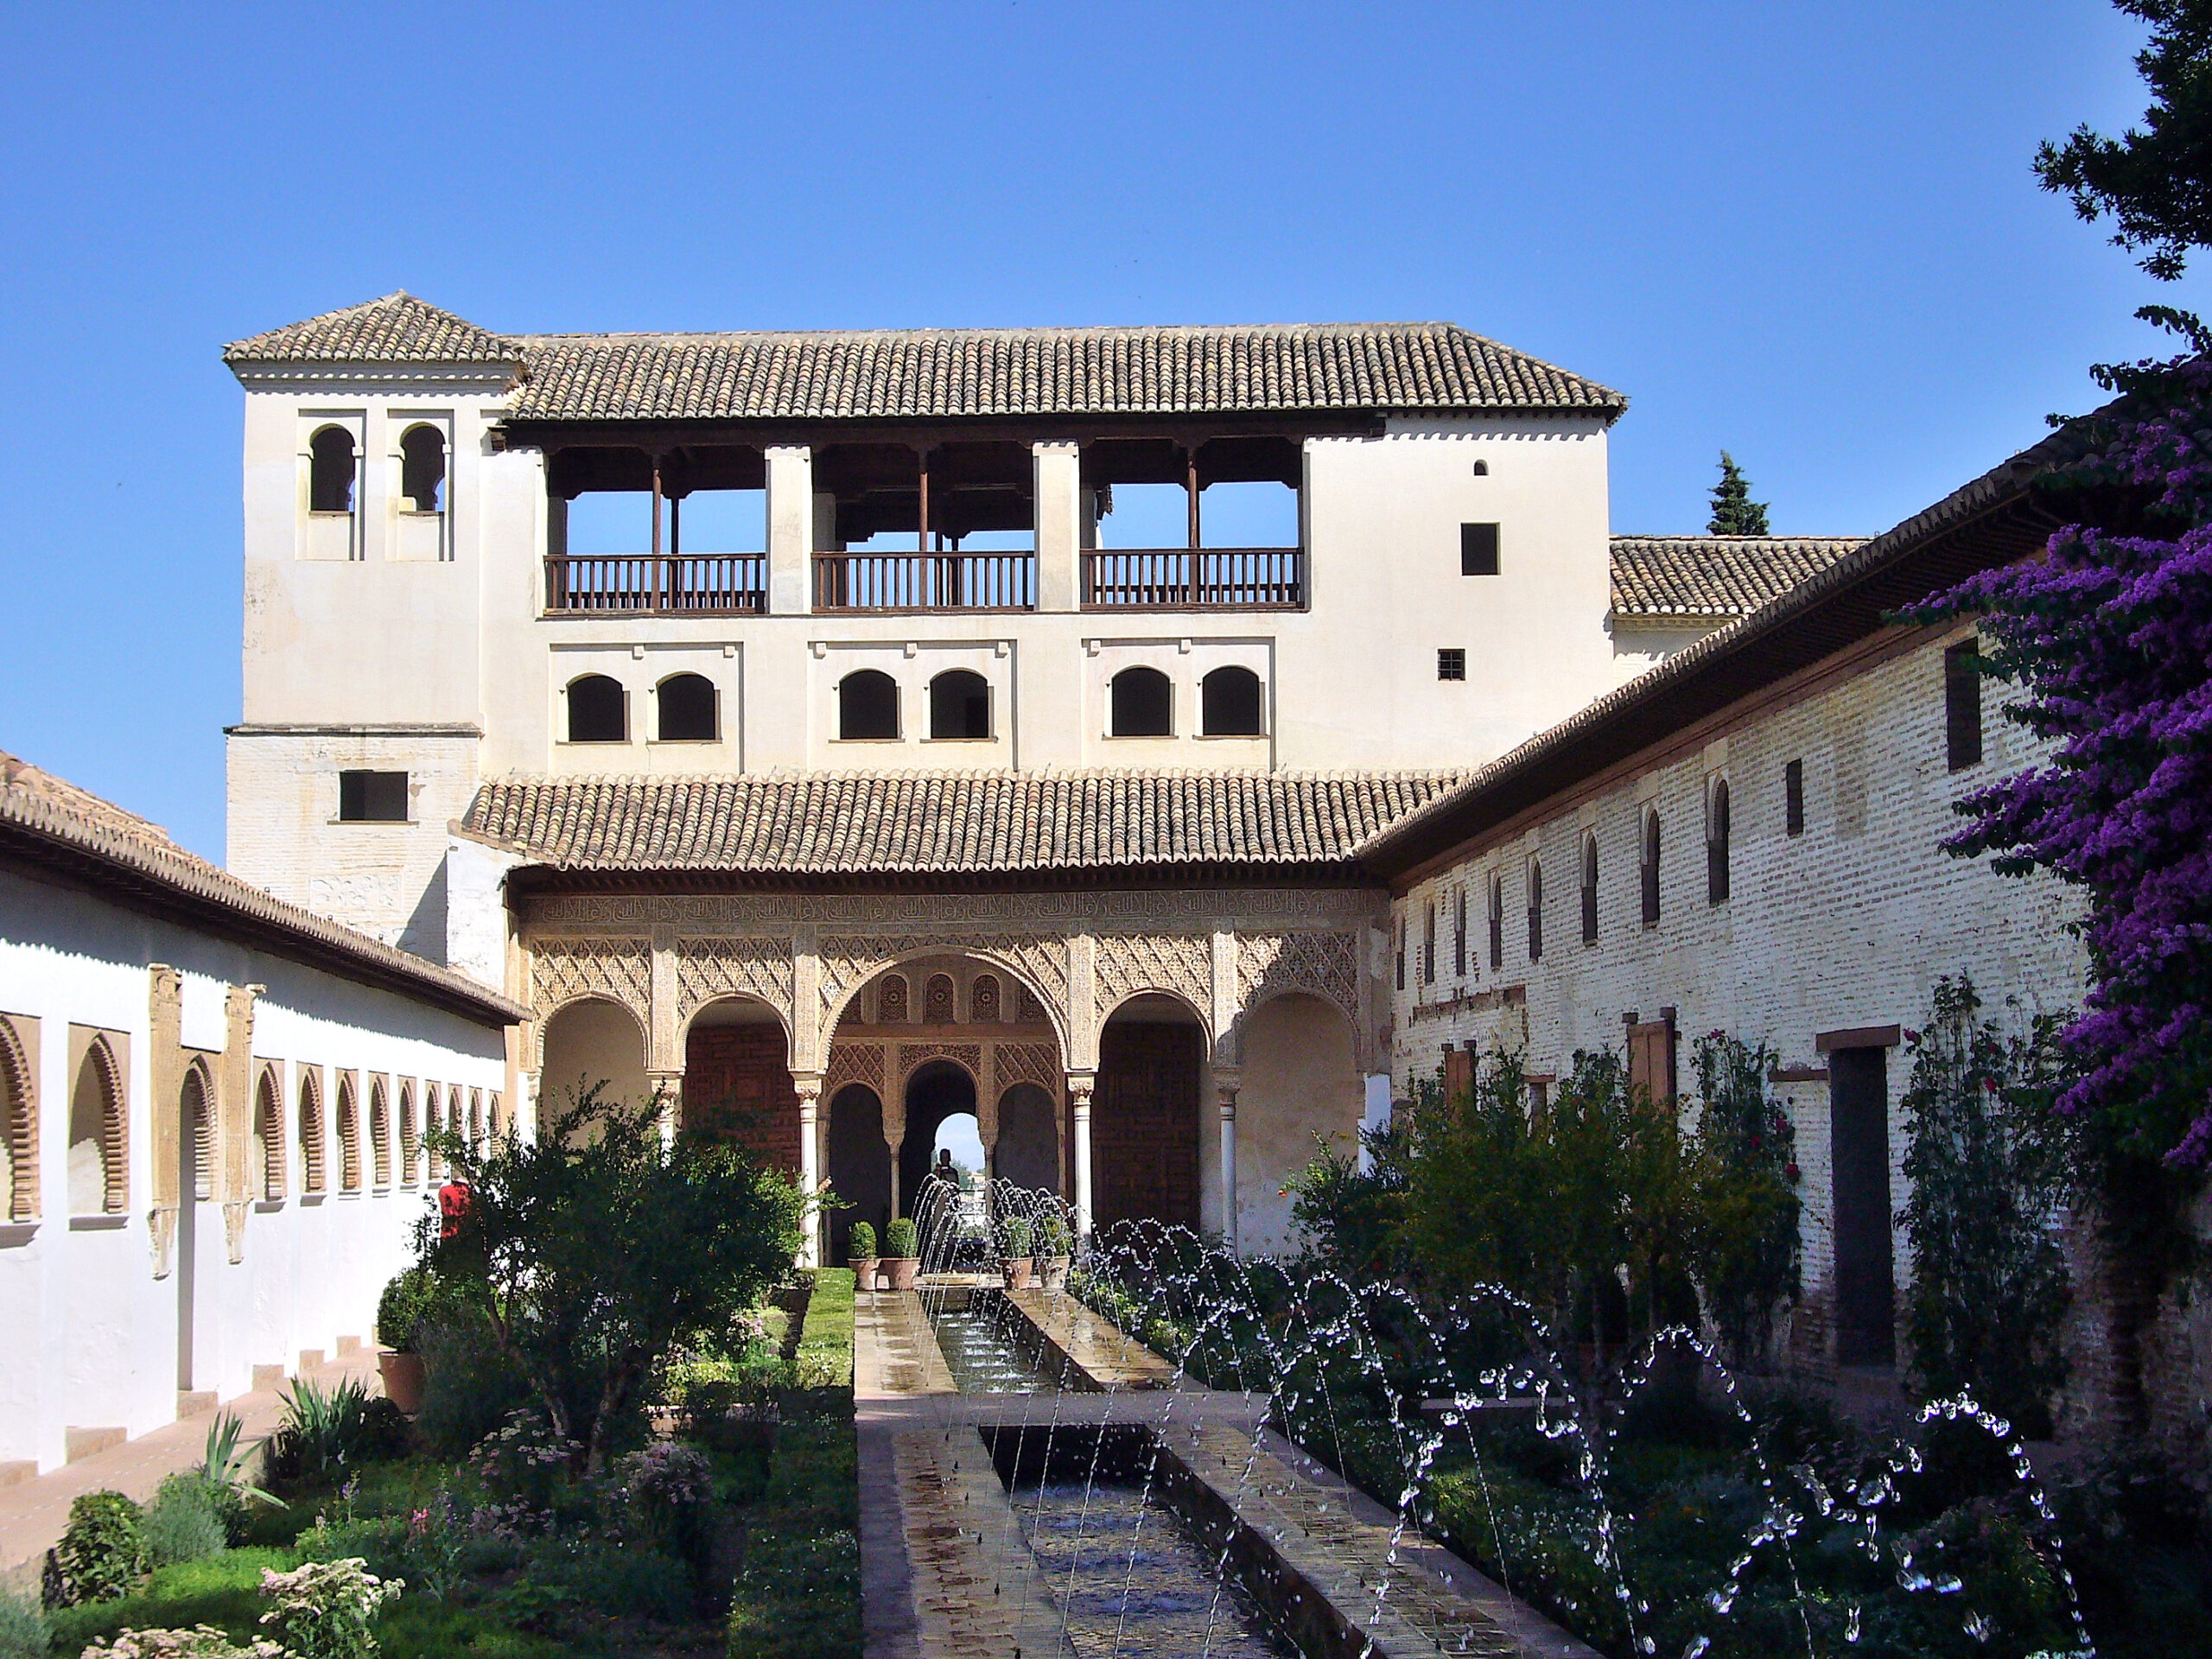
point(1056, 1272)
point(1018, 1272)
point(863, 1272)
point(902, 1270)
point(403, 1380)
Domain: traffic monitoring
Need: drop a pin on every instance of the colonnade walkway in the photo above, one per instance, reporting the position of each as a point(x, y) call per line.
point(34, 1512)
point(946, 1573)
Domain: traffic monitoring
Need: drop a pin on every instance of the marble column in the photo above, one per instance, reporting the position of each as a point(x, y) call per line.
point(667, 1088)
point(1225, 1084)
point(809, 1165)
point(1079, 1089)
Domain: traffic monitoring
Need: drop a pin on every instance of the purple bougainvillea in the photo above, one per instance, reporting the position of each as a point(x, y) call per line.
point(2110, 637)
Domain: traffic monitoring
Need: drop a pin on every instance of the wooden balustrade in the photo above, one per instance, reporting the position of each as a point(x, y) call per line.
point(1194, 579)
point(925, 581)
point(681, 584)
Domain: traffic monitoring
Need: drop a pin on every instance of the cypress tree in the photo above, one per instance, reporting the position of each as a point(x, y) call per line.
point(1734, 512)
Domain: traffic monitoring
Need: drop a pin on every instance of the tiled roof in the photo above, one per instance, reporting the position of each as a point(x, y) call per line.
point(1722, 577)
point(930, 373)
point(945, 823)
point(398, 329)
point(53, 825)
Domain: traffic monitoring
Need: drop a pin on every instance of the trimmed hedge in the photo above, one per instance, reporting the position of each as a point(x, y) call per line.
point(825, 1344)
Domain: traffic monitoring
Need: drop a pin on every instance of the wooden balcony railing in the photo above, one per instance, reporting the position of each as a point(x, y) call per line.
point(1194, 579)
point(681, 584)
point(925, 581)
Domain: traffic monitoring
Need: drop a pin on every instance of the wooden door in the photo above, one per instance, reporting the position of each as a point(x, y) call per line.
point(1144, 1124)
point(1858, 1153)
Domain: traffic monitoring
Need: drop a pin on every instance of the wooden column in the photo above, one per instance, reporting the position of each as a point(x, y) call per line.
point(922, 528)
point(656, 558)
point(1190, 494)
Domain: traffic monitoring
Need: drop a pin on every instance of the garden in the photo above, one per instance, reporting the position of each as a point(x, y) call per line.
point(634, 1437)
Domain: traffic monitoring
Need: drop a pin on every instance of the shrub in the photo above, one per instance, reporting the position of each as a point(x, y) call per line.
point(899, 1238)
point(797, 1597)
point(323, 1610)
point(1017, 1235)
point(1054, 1237)
point(25, 1632)
point(610, 1577)
point(323, 1433)
point(183, 1523)
point(102, 1553)
point(667, 1488)
point(200, 1642)
point(1987, 1166)
point(468, 1384)
point(863, 1242)
point(1747, 1252)
point(223, 1469)
point(407, 1301)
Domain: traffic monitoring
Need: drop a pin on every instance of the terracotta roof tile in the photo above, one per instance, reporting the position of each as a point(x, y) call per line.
point(945, 823)
point(398, 329)
point(1715, 575)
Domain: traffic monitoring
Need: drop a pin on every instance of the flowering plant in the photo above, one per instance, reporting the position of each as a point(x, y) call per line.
point(200, 1642)
point(521, 1464)
point(324, 1609)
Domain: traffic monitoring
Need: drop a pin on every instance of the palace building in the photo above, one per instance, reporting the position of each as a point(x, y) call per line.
point(789, 723)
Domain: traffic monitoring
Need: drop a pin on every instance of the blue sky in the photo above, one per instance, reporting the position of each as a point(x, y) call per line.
point(1807, 233)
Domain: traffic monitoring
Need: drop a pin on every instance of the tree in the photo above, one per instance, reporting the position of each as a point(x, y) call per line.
point(593, 1249)
point(1988, 1173)
point(1734, 512)
point(1748, 1252)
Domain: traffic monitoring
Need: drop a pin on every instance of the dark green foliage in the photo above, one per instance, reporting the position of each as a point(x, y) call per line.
point(862, 1244)
point(1746, 1259)
point(323, 1432)
point(102, 1553)
point(594, 1250)
point(797, 1593)
point(223, 1467)
point(1988, 1170)
point(223, 1590)
point(410, 1298)
point(824, 1356)
point(183, 1523)
point(900, 1238)
point(1734, 512)
point(1014, 1236)
point(1353, 1221)
point(25, 1630)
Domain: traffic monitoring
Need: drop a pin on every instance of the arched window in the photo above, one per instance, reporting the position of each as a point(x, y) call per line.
point(983, 999)
point(269, 1137)
point(433, 1123)
point(422, 468)
point(196, 1123)
point(18, 1130)
point(891, 1000)
point(1536, 911)
point(410, 1139)
point(1459, 933)
point(349, 1137)
point(1144, 704)
point(960, 705)
point(379, 1135)
point(497, 1112)
point(936, 1000)
point(598, 711)
point(1650, 868)
point(100, 1161)
point(475, 1123)
point(867, 705)
point(1497, 921)
point(311, 1146)
point(330, 471)
point(1590, 887)
point(1716, 843)
point(1428, 945)
point(690, 710)
point(1229, 704)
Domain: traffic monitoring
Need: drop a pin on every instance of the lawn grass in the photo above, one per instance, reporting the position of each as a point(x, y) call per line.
point(222, 1590)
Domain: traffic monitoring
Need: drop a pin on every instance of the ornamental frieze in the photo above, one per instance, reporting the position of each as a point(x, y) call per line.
point(1182, 963)
point(871, 913)
point(1326, 964)
point(707, 969)
point(561, 970)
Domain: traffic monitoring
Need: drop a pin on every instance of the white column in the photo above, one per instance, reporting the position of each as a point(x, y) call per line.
point(790, 527)
point(809, 1166)
point(667, 1088)
point(1057, 479)
point(1079, 1089)
point(1225, 1085)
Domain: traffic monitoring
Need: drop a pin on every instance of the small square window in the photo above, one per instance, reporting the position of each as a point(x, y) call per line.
point(1478, 550)
point(372, 797)
point(1452, 663)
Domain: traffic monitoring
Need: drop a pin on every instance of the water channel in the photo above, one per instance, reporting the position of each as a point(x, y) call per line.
point(1128, 1575)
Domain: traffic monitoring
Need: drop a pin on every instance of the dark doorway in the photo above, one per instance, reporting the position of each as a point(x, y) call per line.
point(933, 1094)
point(1144, 1123)
point(1028, 1150)
point(860, 1167)
point(1859, 1122)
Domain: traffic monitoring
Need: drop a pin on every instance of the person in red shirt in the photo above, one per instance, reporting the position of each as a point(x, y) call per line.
point(453, 1207)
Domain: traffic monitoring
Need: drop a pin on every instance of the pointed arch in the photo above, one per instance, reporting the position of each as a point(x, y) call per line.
point(269, 1133)
point(196, 1124)
point(379, 1134)
point(313, 1170)
point(18, 1126)
point(100, 1144)
point(349, 1134)
point(410, 1137)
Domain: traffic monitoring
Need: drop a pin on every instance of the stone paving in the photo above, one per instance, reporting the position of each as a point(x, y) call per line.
point(33, 1513)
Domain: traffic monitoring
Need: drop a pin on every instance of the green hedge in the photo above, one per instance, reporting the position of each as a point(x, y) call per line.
point(825, 1345)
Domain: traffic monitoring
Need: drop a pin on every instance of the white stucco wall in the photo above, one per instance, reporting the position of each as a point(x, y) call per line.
point(1843, 927)
point(88, 1334)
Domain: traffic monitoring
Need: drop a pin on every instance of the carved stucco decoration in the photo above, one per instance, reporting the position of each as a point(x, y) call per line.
point(1179, 962)
point(854, 1063)
point(1037, 1063)
point(913, 1057)
point(849, 960)
point(1325, 964)
point(562, 970)
point(707, 969)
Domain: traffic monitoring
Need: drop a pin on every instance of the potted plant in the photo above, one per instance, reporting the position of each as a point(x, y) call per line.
point(1014, 1233)
point(400, 1314)
point(899, 1254)
point(860, 1252)
point(1057, 1248)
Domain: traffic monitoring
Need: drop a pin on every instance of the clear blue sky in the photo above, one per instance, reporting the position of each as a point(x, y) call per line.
point(1807, 233)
